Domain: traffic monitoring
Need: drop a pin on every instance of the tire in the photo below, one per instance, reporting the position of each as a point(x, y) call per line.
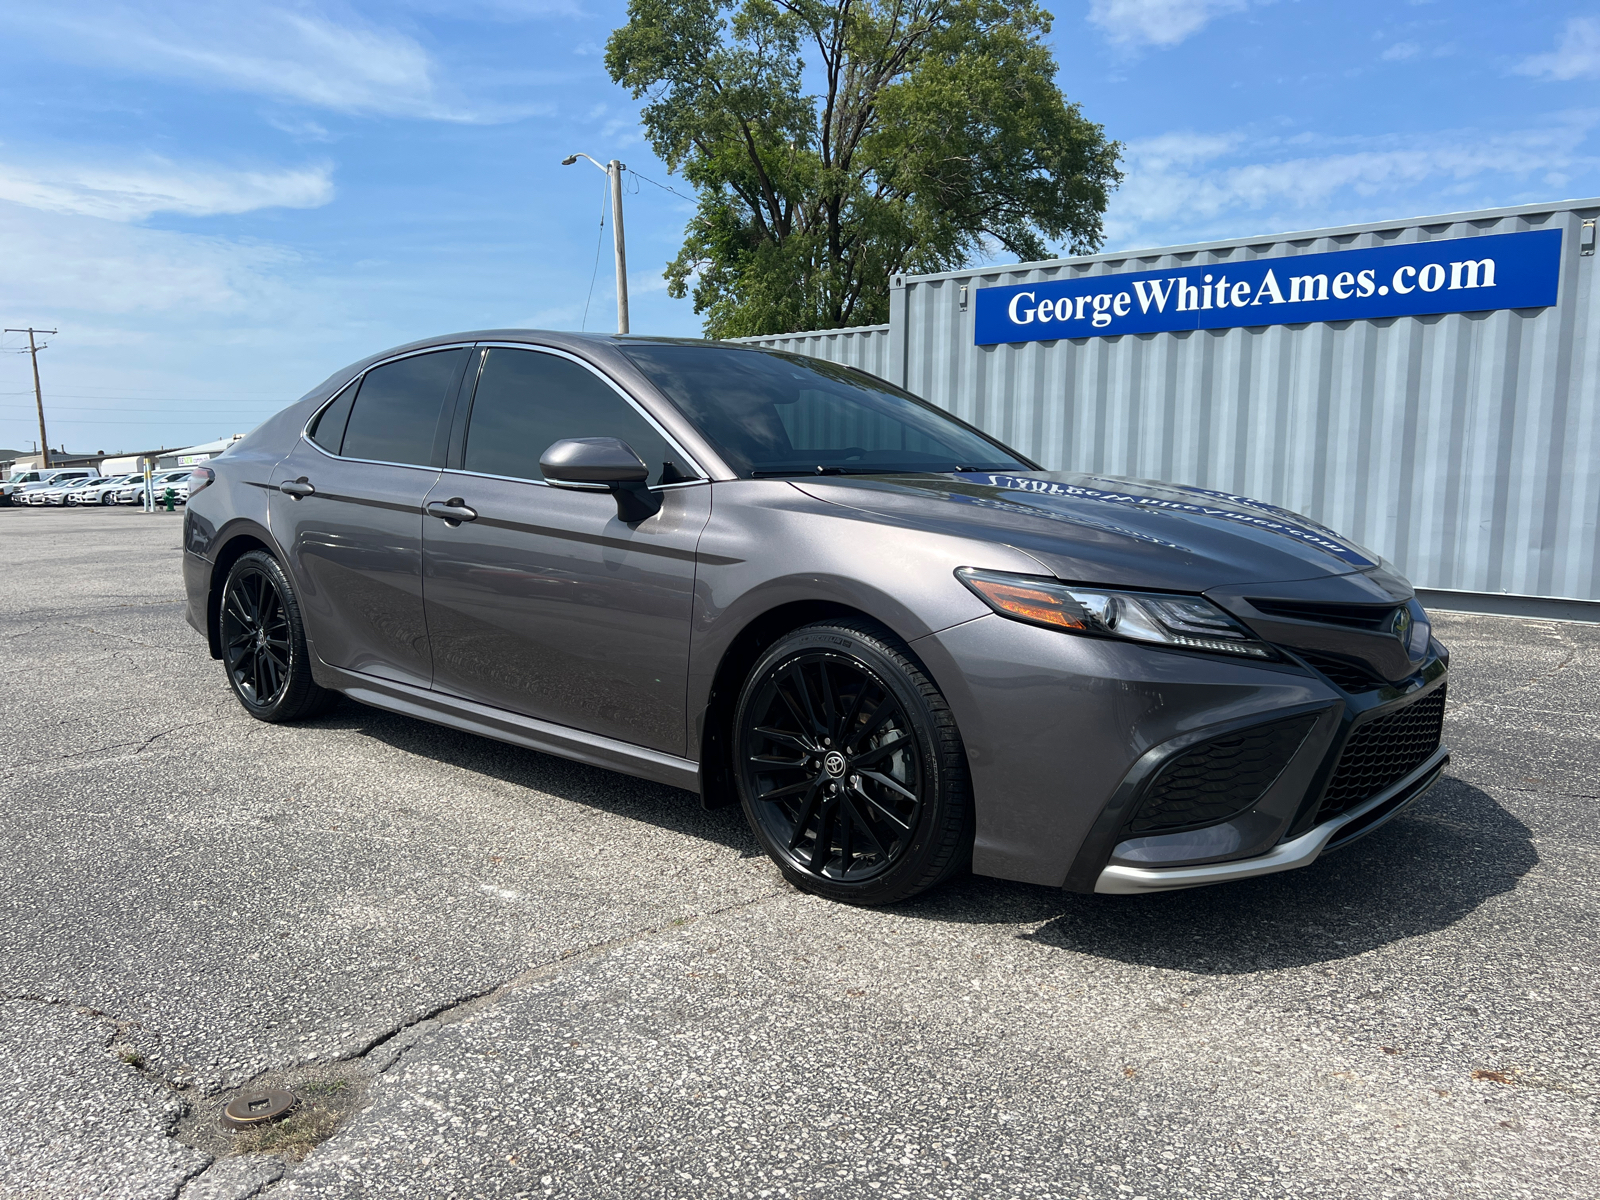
point(849, 765)
point(263, 639)
point(108, 498)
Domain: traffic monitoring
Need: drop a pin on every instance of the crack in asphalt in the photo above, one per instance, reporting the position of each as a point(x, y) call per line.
point(396, 1040)
point(141, 745)
point(457, 1009)
point(405, 1034)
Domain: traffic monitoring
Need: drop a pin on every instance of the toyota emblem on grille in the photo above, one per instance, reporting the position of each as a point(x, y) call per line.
point(1401, 624)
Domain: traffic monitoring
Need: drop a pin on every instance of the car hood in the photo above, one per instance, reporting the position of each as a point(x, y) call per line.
point(1113, 531)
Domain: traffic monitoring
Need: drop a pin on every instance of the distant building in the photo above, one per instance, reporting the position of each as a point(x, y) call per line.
point(193, 455)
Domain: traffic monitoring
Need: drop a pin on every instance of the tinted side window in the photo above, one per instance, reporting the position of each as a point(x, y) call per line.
point(396, 412)
point(527, 400)
point(327, 430)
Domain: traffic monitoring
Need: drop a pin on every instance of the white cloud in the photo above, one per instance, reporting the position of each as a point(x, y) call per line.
point(134, 192)
point(302, 129)
point(287, 53)
point(1185, 187)
point(1401, 51)
point(1156, 22)
point(1577, 56)
point(59, 264)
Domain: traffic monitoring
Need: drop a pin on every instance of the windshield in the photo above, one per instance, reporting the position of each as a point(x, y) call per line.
point(782, 414)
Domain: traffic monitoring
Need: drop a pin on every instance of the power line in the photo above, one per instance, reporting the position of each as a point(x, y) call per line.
point(599, 239)
point(662, 186)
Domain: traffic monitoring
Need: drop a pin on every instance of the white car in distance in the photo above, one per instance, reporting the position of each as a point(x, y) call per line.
point(54, 494)
point(103, 491)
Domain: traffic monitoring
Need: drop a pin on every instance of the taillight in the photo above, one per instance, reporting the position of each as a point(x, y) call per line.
point(199, 478)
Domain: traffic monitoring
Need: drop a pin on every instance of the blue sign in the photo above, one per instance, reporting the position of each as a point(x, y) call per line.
point(1503, 270)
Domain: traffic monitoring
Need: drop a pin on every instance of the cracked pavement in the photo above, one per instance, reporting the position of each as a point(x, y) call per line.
point(551, 980)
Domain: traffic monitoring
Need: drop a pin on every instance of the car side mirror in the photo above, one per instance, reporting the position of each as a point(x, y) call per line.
point(602, 464)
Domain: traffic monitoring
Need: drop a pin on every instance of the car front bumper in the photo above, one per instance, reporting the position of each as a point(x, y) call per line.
point(1067, 737)
point(1122, 879)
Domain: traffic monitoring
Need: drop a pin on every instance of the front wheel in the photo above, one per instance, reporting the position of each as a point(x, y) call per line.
point(264, 643)
point(850, 768)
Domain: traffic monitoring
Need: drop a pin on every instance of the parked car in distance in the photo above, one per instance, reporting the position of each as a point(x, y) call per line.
point(61, 493)
point(73, 495)
point(132, 491)
point(13, 488)
point(103, 491)
point(26, 493)
point(177, 480)
point(899, 645)
point(54, 491)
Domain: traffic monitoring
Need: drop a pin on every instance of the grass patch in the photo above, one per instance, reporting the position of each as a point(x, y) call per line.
point(321, 1087)
point(308, 1126)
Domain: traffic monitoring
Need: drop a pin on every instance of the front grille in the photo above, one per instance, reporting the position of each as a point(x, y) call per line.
point(1220, 778)
point(1382, 752)
point(1346, 675)
point(1356, 616)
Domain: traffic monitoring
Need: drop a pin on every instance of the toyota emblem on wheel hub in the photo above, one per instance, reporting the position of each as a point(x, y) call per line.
point(833, 763)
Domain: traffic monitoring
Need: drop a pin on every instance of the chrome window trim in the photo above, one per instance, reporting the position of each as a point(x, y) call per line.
point(705, 476)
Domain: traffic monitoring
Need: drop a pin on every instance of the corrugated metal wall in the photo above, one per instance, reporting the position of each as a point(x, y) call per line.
point(864, 346)
point(1465, 448)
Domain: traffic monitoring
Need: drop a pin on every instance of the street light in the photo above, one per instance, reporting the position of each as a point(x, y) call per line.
point(614, 170)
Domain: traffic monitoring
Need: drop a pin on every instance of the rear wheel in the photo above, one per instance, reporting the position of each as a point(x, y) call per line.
point(850, 768)
point(264, 643)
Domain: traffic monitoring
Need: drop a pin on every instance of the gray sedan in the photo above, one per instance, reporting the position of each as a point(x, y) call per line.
point(904, 649)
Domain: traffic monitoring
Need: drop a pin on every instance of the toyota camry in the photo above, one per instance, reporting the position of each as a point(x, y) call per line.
point(903, 648)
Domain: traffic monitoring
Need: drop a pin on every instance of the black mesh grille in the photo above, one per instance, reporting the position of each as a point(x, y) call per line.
point(1346, 675)
point(1384, 751)
point(1217, 779)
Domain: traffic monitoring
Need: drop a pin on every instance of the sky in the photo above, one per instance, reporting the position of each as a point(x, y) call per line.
point(219, 205)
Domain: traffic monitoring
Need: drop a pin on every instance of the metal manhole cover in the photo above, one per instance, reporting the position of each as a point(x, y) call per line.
point(257, 1106)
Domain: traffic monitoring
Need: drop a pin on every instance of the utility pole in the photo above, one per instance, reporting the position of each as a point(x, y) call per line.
point(38, 392)
point(614, 170)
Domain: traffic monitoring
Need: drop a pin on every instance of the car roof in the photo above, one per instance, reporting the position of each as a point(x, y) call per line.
point(559, 339)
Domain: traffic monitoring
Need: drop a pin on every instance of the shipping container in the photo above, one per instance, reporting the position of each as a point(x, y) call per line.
point(1463, 444)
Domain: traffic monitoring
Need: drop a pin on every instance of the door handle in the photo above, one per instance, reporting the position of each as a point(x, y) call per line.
point(452, 511)
point(297, 488)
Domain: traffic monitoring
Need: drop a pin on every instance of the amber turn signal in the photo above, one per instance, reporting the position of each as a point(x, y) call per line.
point(1042, 606)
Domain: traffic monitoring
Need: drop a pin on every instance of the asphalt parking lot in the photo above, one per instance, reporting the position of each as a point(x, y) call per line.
point(492, 973)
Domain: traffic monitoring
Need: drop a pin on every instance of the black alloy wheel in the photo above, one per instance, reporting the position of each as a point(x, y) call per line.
point(851, 771)
point(264, 645)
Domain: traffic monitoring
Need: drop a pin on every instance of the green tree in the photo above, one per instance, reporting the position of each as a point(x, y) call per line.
point(921, 134)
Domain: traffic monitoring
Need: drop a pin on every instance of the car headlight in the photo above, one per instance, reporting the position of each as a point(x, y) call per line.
point(1187, 622)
